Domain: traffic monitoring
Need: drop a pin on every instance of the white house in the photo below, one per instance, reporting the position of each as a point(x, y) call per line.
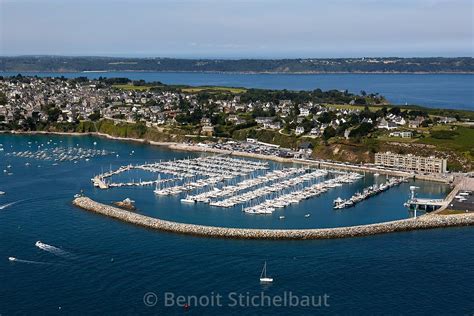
point(299, 130)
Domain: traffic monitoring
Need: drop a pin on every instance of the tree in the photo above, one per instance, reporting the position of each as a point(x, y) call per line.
point(325, 118)
point(95, 116)
point(395, 110)
point(53, 114)
point(329, 132)
point(361, 130)
point(3, 98)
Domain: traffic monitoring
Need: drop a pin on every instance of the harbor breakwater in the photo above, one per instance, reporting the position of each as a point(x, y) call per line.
point(423, 222)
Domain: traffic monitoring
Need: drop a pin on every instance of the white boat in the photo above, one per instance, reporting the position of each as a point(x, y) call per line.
point(188, 200)
point(2, 193)
point(263, 275)
point(77, 195)
point(282, 217)
point(307, 215)
point(11, 258)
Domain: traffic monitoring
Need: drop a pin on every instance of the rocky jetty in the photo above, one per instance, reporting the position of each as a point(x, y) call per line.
point(422, 222)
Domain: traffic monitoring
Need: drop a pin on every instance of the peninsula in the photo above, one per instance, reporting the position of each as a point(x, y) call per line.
point(297, 65)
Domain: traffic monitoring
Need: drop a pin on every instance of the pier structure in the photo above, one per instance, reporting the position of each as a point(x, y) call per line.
point(367, 193)
point(423, 204)
point(427, 205)
point(438, 205)
point(215, 167)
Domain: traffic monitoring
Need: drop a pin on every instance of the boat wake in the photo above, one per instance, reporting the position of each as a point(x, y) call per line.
point(4, 206)
point(13, 259)
point(54, 250)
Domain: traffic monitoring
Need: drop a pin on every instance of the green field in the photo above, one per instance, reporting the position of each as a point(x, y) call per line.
point(131, 87)
point(461, 140)
point(372, 108)
point(213, 89)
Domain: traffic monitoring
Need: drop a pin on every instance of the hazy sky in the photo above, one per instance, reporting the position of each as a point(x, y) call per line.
point(237, 28)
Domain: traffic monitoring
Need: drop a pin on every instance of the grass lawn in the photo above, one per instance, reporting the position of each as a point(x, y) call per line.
point(131, 87)
point(463, 141)
point(387, 138)
point(214, 89)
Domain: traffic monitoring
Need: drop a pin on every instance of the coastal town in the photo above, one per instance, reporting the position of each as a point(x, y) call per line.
point(304, 125)
point(236, 157)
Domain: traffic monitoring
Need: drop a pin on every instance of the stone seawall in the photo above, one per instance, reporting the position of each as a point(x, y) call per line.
point(423, 222)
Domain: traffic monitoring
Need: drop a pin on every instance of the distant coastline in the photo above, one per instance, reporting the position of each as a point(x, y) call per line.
point(249, 72)
point(435, 65)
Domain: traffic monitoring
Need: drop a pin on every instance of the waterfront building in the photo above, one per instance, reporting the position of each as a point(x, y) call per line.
point(411, 162)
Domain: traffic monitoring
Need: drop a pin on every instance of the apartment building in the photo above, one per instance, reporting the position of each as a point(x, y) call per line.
point(411, 162)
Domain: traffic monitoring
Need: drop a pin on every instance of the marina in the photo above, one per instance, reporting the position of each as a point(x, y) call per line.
point(195, 187)
point(226, 182)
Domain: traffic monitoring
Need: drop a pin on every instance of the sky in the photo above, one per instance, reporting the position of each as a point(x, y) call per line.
point(237, 28)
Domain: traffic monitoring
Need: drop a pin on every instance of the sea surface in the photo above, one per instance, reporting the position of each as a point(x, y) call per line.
point(91, 264)
point(452, 91)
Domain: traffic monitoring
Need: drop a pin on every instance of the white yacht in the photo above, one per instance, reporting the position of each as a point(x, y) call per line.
point(263, 276)
point(188, 200)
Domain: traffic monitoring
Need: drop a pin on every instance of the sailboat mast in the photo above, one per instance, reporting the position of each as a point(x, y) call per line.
point(264, 271)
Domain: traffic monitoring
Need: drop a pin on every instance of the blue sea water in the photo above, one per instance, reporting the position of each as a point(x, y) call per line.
point(107, 266)
point(452, 91)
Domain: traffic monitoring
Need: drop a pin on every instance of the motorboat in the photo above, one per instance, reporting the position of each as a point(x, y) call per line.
point(188, 200)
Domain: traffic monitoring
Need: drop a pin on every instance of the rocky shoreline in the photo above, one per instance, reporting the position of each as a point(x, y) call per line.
point(423, 222)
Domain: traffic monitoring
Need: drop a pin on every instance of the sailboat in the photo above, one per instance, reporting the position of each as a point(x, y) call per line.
point(263, 275)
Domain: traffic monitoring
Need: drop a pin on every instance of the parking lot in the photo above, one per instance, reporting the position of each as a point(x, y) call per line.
point(463, 205)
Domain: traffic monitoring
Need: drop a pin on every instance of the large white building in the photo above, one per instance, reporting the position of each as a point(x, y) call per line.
point(411, 162)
